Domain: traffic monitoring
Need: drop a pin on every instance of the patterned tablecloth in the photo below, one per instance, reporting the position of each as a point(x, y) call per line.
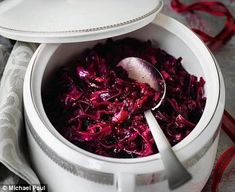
point(11, 170)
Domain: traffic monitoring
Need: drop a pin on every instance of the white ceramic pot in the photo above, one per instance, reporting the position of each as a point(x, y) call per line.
point(65, 167)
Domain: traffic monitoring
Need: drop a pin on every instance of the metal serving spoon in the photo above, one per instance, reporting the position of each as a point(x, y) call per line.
point(142, 71)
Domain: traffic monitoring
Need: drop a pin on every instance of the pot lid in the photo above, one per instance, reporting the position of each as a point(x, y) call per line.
point(61, 21)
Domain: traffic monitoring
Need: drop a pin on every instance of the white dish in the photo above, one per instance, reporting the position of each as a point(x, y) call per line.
point(51, 153)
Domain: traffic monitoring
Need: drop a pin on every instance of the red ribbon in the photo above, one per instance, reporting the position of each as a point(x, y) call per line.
point(213, 8)
point(223, 162)
point(228, 125)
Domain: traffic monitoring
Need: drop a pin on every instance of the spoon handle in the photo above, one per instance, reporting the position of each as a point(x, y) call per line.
point(176, 173)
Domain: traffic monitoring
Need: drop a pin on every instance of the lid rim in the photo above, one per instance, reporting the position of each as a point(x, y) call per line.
point(74, 38)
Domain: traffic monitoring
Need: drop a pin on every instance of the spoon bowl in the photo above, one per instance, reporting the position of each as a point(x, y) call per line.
point(143, 71)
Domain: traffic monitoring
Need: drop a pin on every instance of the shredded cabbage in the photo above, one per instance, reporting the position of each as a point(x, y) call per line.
point(95, 105)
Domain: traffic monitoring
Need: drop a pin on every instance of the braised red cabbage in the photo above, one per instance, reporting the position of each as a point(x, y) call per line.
point(94, 104)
